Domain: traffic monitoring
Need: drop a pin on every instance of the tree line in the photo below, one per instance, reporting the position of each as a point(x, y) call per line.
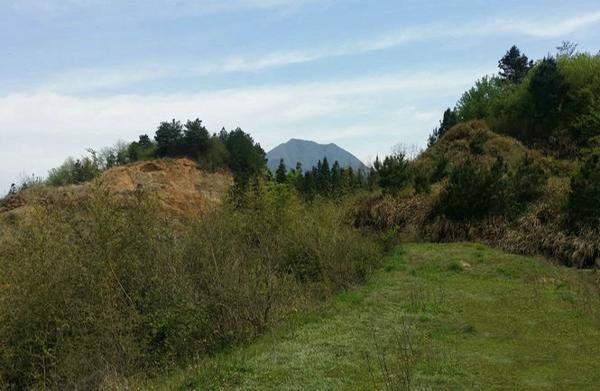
point(234, 150)
point(552, 104)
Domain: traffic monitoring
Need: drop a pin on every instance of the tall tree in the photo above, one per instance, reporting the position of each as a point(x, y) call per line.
point(514, 65)
point(280, 174)
point(246, 158)
point(336, 178)
point(449, 119)
point(548, 90)
point(196, 138)
point(168, 138)
point(325, 178)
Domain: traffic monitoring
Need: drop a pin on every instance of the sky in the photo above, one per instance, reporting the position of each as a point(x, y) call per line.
point(364, 74)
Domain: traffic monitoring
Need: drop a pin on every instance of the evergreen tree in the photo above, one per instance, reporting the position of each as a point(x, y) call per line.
point(196, 138)
point(280, 174)
point(325, 178)
point(309, 185)
point(336, 179)
point(246, 158)
point(449, 119)
point(360, 179)
point(145, 142)
point(514, 65)
point(548, 92)
point(548, 89)
point(373, 178)
point(394, 173)
point(168, 138)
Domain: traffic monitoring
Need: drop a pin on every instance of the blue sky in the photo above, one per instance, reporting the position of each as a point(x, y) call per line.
point(366, 75)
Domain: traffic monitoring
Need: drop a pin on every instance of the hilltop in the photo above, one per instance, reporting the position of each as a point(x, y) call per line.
point(308, 153)
point(179, 185)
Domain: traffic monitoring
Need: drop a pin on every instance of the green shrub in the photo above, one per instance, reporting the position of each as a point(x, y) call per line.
point(75, 171)
point(104, 290)
point(394, 173)
point(474, 191)
point(528, 181)
point(584, 198)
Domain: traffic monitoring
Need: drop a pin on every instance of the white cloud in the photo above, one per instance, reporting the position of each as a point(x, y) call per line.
point(367, 115)
point(92, 79)
point(547, 28)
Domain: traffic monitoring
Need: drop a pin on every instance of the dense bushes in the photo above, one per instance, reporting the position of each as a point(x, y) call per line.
point(74, 171)
point(394, 174)
point(97, 292)
point(528, 181)
point(584, 198)
point(474, 191)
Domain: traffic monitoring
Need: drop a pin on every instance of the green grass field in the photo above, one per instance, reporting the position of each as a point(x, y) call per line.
point(436, 317)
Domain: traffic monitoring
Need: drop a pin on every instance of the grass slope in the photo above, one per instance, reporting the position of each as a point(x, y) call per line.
point(437, 317)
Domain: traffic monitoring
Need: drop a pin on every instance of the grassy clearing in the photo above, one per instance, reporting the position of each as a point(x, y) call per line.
point(437, 317)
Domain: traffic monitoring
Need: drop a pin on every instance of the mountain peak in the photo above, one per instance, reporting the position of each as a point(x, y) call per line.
point(308, 153)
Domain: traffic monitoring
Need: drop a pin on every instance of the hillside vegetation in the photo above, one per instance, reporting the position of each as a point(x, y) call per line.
point(516, 164)
point(162, 253)
point(436, 317)
point(92, 293)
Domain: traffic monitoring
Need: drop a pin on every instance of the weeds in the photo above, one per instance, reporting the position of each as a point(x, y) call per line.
point(393, 364)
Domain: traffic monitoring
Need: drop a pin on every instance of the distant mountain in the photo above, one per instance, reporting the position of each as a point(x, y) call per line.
point(309, 153)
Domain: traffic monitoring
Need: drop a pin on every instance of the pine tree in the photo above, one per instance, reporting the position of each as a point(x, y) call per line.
point(280, 173)
point(168, 138)
point(196, 138)
point(325, 177)
point(449, 119)
point(394, 173)
point(514, 65)
point(336, 179)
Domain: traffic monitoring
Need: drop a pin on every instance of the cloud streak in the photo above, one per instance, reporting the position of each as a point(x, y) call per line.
point(547, 29)
point(53, 8)
point(92, 79)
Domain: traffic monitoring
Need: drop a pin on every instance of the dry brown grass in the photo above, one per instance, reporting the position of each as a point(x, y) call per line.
point(181, 188)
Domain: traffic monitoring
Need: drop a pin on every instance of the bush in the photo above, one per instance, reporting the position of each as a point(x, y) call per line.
point(584, 198)
point(474, 191)
point(75, 171)
point(394, 174)
point(106, 290)
point(528, 181)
